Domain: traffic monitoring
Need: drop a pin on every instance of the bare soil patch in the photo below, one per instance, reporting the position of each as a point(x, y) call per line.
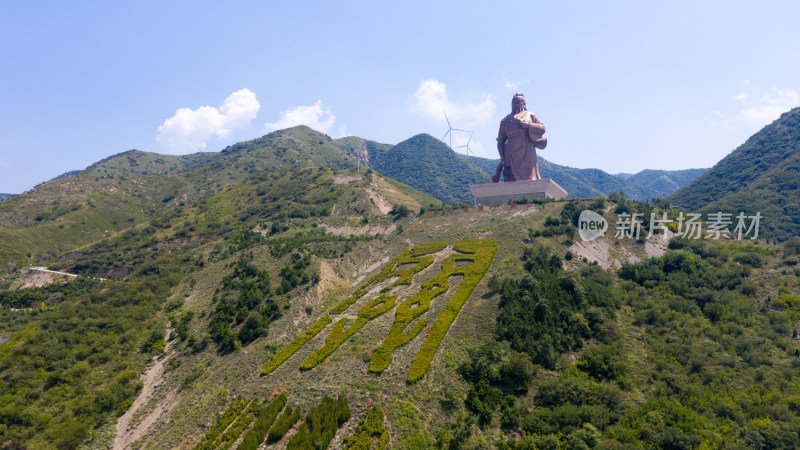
point(357, 231)
point(38, 279)
point(596, 250)
point(383, 205)
point(345, 180)
point(127, 433)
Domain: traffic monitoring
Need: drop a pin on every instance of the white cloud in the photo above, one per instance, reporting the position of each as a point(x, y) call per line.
point(769, 106)
point(432, 102)
point(189, 130)
point(343, 132)
point(313, 116)
point(742, 97)
point(756, 108)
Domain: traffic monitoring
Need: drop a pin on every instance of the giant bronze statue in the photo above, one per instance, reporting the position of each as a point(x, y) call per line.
point(519, 137)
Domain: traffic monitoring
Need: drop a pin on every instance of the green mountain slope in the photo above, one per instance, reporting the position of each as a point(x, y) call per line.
point(139, 163)
point(661, 183)
point(94, 374)
point(548, 350)
point(762, 152)
point(759, 176)
point(362, 150)
point(775, 194)
point(5, 196)
point(134, 187)
point(280, 267)
point(423, 162)
point(66, 213)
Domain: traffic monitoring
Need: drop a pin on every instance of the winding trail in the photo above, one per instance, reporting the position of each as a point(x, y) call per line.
point(770, 272)
point(45, 269)
point(125, 434)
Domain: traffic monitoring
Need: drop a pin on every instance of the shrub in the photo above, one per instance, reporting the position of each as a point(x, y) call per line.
point(283, 424)
point(321, 424)
point(241, 423)
point(366, 431)
point(483, 399)
point(298, 343)
point(173, 304)
point(400, 211)
point(252, 329)
point(193, 375)
point(255, 436)
point(604, 362)
point(245, 292)
point(222, 423)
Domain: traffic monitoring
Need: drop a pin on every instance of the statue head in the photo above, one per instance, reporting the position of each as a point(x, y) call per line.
point(518, 104)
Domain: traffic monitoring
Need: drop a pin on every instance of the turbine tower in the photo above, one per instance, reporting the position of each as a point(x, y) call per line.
point(450, 130)
point(469, 150)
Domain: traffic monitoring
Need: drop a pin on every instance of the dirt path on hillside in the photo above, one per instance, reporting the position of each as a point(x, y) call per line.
point(38, 279)
point(127, 435)
point(384, 206)
point(770, 272)
point(353, 231)
point(346, 180)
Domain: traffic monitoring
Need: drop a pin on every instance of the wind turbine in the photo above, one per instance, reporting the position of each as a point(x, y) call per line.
point(469, 150)
point(450, 130)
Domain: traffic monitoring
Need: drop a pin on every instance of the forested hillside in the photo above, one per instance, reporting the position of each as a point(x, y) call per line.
point(279, 293)
point(425, 163)
point(761, 176)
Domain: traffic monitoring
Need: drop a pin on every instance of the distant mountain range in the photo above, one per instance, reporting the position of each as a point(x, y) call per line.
point(428, 164)
point(584, 183)
point(422, 161)
point(762, 175)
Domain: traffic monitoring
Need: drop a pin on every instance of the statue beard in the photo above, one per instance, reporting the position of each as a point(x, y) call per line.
point(520, 113)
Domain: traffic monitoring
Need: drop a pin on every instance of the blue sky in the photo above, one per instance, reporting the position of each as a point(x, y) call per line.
point(621, 86)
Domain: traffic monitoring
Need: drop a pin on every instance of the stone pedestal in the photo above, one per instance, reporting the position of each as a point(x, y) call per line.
point(499, 193)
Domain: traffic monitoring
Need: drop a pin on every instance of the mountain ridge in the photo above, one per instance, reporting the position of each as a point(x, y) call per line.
point(424, 162)
point(759, 176)
point(585, 183)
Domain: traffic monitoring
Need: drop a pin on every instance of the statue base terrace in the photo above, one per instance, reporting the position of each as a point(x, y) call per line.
point(499, 193)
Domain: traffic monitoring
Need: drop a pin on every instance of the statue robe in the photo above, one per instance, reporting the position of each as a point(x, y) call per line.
point(518, 147)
